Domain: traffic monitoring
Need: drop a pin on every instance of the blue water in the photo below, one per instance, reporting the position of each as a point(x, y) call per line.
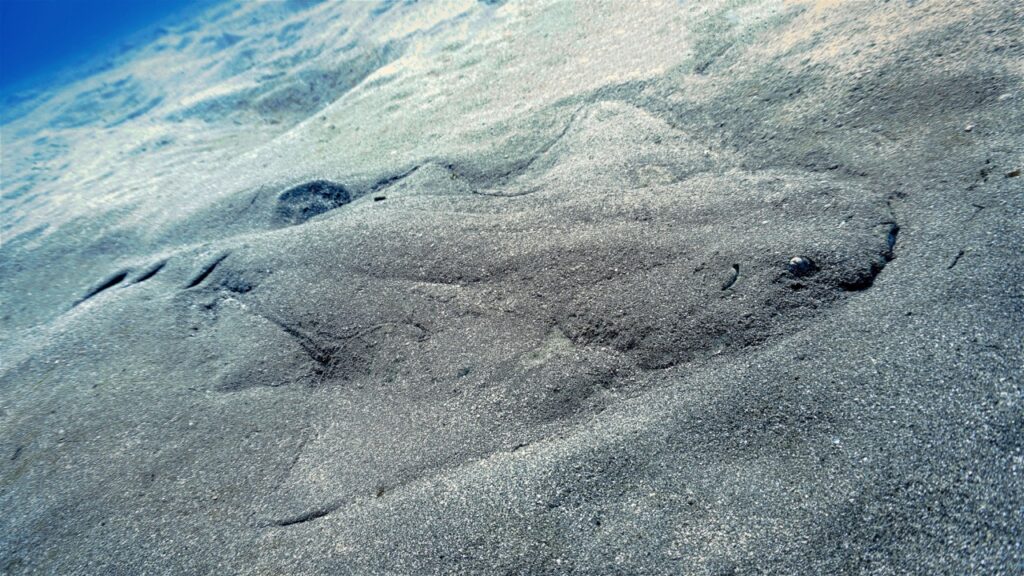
point(41, 37)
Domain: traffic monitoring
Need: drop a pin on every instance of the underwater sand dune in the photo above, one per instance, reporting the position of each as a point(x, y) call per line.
point(521, 288)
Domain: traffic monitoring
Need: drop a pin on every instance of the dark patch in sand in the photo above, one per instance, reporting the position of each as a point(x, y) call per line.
point(106, 284)
point(206, 271)
point(300, 203)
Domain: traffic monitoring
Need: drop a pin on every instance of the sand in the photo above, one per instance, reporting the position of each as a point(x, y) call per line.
point(509, 288)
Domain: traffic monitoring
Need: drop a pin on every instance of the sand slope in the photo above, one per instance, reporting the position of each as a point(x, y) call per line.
point(508, 288)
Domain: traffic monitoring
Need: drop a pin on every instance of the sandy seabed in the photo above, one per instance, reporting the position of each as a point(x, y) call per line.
point(724, 287)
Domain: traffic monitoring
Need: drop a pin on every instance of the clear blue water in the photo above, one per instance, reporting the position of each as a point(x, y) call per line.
point(41, 37)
